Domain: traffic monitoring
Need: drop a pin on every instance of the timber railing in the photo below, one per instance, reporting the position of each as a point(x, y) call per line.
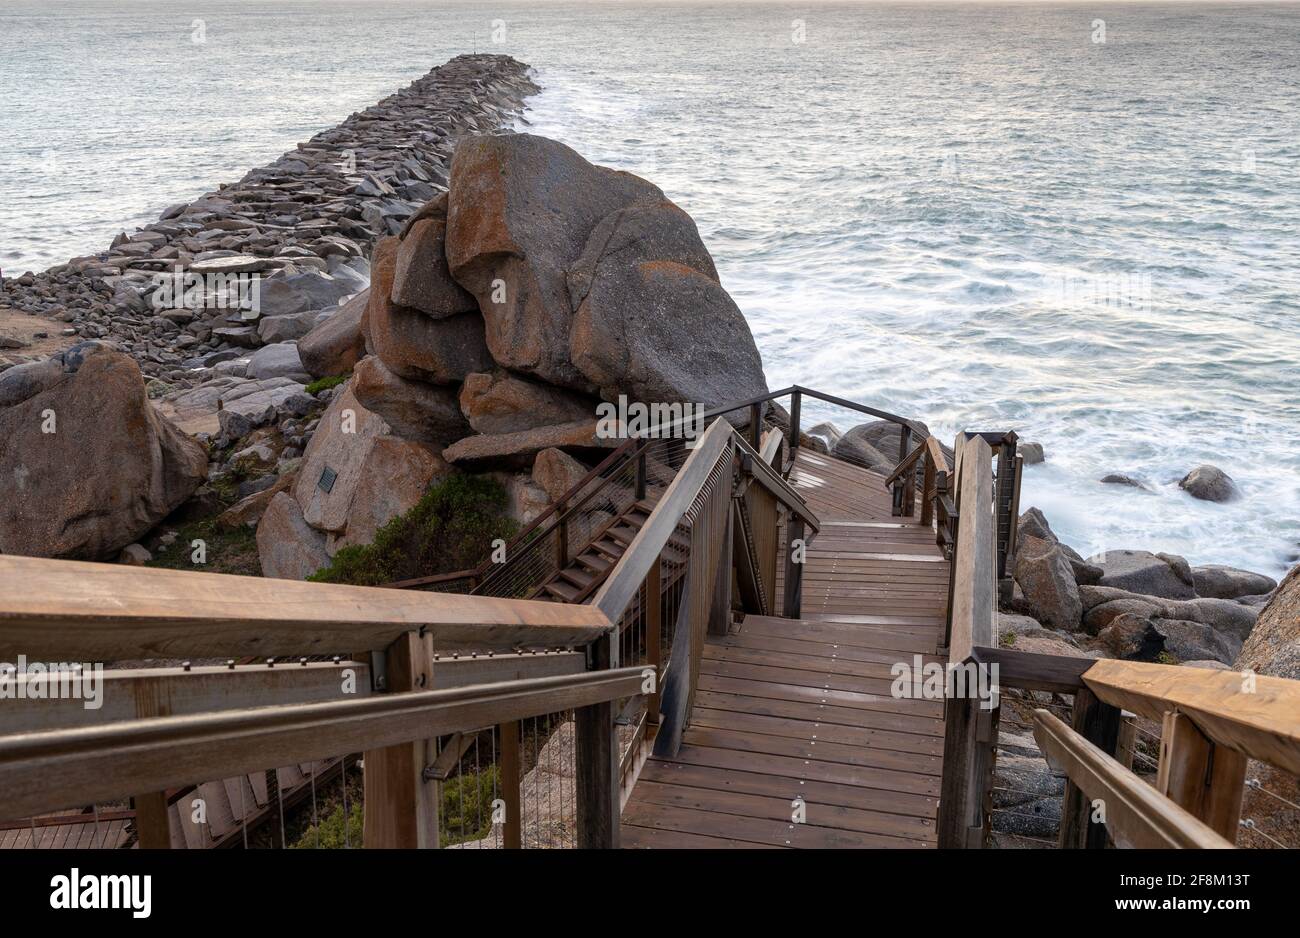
point(1212, 725)
point(1213, 721)
point(673, 585)
point(407, 676)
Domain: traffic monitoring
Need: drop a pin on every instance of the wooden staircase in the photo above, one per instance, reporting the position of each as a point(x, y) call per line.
point(582, 576)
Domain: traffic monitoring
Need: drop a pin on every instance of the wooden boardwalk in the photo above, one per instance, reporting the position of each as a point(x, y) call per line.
point(790, 709)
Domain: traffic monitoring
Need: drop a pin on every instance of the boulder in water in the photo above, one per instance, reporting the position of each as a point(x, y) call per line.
point(1210, 484)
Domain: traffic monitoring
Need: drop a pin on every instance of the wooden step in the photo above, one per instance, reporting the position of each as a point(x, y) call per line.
point(595, 562)
point(622, 533)
point(610, 548)
point(565, 592)
point(580, 578)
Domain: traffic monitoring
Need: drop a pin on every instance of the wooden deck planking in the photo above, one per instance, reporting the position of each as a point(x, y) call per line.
point(802, 708)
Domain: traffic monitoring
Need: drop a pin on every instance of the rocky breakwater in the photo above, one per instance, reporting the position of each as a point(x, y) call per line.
point(206, 306)
point(303, 224)
point(497, 321)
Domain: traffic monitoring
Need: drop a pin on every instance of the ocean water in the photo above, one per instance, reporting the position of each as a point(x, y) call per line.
point(1081, 222)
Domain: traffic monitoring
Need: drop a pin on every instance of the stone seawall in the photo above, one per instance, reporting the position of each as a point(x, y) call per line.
point(304, 225)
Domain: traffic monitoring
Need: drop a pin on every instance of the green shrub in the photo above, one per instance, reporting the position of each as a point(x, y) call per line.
point(330, 831)
point(451, 528)
point(324, 384)
point(467, 806)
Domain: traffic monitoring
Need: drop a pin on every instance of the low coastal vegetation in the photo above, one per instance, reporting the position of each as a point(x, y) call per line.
point(324, 384)
point(447, 530)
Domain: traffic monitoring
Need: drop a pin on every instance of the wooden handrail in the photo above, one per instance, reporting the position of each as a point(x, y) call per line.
point(1135, 813)
point(770, 479)
point(626, 578)
point(933, 451)
point(63, 610)
point(1255, 715)
point(41, 772)
point(974, 586)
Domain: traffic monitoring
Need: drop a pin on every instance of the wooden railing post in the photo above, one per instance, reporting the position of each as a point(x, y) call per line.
point(792, 441)
point(1206, 779)
point(561, 538)
point(928, 493)
point(904, 485)
point(401, 810)
point(513, 828)
point(756, 425)
point(794, 531)
point(1006, 498)
point(654, 623)
point(1098, 723)
point(720, 603)
point(596, 762)
point(965, 793)
point(152, 830)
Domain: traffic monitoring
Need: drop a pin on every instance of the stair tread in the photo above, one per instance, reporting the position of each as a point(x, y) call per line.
point(579, 578)
point(565, 591)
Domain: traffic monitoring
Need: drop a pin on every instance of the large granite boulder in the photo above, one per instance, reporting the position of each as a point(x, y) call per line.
point(1196, 641)
point(1274, 644)
point(414, 345)
point(1133, 637)
point(395, 475)
point(1046, 579)
point(499, 402)
point(1223, 615)
point(876, 445)
point(557, 472)
point(869, 445)
point(1223, 582)
point(1034, 523)
point(651, 320)
point(20, 382)
point(421, 278)
point(1273, 649)
point(1210, 484)
point(335, 345)
point(288, 548)
point(423, 413)
point(517, 451)
point(333, 462)
point(520, 212)
point(89, 466)
point(1140, 571)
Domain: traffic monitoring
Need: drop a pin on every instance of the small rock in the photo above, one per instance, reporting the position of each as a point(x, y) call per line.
point(1119, 478)
point(134, 555)
point(1032, 452)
